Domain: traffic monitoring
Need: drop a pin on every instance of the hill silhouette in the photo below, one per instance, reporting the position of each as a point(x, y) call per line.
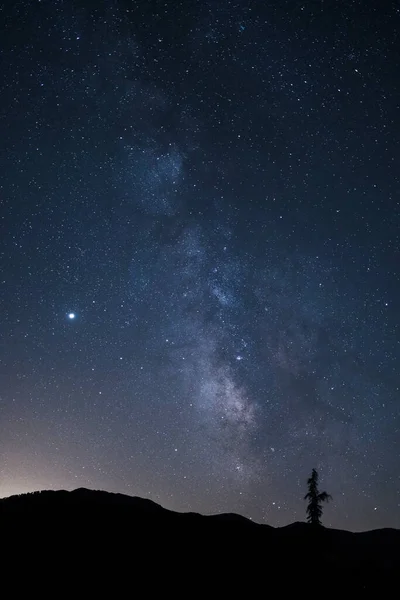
point(107, 533)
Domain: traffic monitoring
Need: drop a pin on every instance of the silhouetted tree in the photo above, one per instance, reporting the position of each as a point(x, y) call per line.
point(315, 499)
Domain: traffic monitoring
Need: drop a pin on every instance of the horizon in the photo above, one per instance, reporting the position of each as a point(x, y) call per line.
point(207, 514)
point(189, 509)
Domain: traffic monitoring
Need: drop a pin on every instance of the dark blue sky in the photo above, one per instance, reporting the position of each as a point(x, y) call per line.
point(212, 189)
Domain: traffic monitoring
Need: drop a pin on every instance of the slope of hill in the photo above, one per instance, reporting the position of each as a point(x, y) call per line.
point(95, 528)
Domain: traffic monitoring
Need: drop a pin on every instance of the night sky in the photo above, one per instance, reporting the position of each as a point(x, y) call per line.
point(200, 253)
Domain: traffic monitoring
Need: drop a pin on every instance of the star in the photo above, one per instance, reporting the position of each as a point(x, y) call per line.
point(251, 324)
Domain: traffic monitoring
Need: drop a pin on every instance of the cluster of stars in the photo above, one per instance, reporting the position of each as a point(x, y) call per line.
point(200, 248)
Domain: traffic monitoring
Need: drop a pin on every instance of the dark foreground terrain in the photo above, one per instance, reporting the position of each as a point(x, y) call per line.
point(110, 544)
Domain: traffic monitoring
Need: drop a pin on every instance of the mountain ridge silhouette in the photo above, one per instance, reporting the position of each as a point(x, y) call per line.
point(98, 527)
point(103, 497)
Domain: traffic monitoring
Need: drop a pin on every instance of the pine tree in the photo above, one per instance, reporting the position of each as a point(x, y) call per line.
point(315, 499)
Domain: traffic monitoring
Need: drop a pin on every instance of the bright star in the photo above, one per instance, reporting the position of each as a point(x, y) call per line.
point(71, 315)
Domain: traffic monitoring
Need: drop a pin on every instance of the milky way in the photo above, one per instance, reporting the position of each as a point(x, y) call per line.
point(200, 250)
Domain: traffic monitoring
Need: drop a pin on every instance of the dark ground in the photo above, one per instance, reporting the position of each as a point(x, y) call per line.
point(111, 544)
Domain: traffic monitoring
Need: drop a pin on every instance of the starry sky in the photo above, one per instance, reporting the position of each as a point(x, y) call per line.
point(200, 253)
